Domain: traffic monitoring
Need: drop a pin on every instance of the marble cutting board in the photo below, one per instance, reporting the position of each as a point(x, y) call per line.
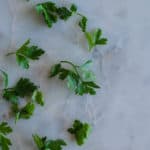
point(120, 112)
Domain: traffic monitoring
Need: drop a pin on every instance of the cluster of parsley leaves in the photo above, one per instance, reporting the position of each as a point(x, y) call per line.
point(52, 13)
point(79, 79)
point(23, 88)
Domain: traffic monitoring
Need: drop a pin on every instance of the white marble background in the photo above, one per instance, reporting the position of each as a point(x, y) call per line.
point(120, 112)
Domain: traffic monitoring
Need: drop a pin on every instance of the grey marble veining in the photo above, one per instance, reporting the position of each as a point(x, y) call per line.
point(120, 112)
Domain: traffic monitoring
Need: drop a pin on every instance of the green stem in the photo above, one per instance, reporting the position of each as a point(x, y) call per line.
point(74, 66)
point(11, 53)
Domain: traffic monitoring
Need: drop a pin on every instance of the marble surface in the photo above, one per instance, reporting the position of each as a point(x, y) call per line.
point(120, 112)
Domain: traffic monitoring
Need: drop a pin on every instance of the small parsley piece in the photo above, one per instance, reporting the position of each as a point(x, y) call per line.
point(73, 8)
point(26, 53)
point(94, 38)
point(64, 13)
point(23, 88)
point(44, 144)
point(5, 142)
point(83, 24)
point(38, 97)
point(23, 113)
point(79, 79)
point(5, 78)
point(80, 131)
point(51, 12)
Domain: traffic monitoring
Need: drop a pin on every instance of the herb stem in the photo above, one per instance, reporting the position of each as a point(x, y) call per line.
point(11, 53)
point(74, 66)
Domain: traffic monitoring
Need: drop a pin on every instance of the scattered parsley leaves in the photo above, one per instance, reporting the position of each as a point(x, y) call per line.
point(5, 142)
point(44, 144)
point(79, 79)
point(26, 53)
point(80, 131)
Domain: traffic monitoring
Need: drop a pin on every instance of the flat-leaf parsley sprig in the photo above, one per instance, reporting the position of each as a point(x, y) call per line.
point(79, 79)
point(26, 53)
point(93, 38)
point(23, 88)
point(52, 13)
point(5, 142)
point(44, 144)
point(5, 77)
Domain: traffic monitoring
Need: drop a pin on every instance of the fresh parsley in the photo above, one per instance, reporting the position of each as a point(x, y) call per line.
point(52, 13)
point(94, 38)
point(79, 79)
point(80, 131)
point(23, 113)
point(26, 53)
point(44, 144)
point(23, 88)
point(5, 142)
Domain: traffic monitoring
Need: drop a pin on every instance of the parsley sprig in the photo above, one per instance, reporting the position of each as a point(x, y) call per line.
point(52, 13)
point(23, 88)
point(93, 38)
point(5, 142)
point(79, 79)
point(44, 144)
point(80, 131)
point(26, 53)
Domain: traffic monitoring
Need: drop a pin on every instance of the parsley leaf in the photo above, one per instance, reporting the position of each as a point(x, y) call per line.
point(5, 78)
point(48, 10)
point(38, 97)
point(51, 12)
point(26, 53)
point(23, 113)
point(79, 79)
point(24, 87)
point(83, 24)
point(73, 8)
point(5, 143)
point(44, 144)
point(80, 131)
point(95, 39)
point(64, 13)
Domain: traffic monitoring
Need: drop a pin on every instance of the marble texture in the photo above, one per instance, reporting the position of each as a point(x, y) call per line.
point(120, 112)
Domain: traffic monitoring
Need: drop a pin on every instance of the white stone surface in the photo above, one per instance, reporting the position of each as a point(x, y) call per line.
point(120, 112)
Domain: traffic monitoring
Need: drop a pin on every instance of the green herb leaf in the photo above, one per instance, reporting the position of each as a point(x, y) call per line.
point(38, 97)
point(5, 143)
point(25, 87)
point(51, 12)
point(95, 39)
point(44, 144)
point(73, 8)
point(80, 131)
point(23, 113)
point(26, 53)
point(83, 24)
point(64, 13)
